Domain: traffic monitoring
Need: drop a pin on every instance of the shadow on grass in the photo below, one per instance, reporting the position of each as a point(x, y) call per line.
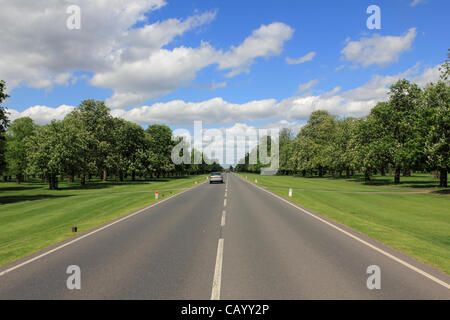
point(17, 188)
point(408, 183)
point(109, 184)
point(444, 191)
point(90, 185)
point(382, 181)
point(15, 199)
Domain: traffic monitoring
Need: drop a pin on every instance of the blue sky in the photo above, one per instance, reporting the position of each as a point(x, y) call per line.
point(414, 39)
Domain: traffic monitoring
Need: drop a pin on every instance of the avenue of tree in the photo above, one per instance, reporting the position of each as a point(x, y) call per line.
point(409, 131)
point(88, 142)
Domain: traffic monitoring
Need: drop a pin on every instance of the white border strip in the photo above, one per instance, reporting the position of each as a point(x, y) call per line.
point(93, 232)
point(223, 218)
point(387, 254)
point(215, 293)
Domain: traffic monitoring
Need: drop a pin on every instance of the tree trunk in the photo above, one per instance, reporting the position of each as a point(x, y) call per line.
point(104, 176)
point(347, 173)
point(443, 177)
point(133, 175)
point(83, 179)
point(121, 175)
point(383, 171)
point(53, 181)
point(367, 175)
point(397, 175)
point(320, 171)
point(407, 173)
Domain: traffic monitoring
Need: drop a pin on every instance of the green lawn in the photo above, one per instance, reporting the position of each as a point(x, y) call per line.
point(33, 217)
point(413, 217)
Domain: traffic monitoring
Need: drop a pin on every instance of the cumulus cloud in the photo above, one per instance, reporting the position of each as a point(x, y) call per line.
point(308, 85)
point(118, 45)
point(42, 114)
point(266, 41)
point(213, 111)
point(355, 102)
point(160, 73)
point(230, 144)
point(41, 50)
point(378, 50)
point(303, 59)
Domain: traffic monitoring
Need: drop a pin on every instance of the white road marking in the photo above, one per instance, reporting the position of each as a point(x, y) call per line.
point(225, 194)
point(387, 254)
point(93, 232)
point(223, 218)
point(215, 293)
point(225, 202)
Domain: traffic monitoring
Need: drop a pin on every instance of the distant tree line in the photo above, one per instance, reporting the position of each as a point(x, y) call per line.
point(410, 131)
point(88, 143)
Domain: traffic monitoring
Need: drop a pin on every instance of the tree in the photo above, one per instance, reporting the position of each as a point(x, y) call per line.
point(129, 146)
point(341, 154)
point(402, 125)
point(45, 156)
point(16, 152)
point(319, 132)
point(94, 120)
point(437, 110)
point(285, 149)
point(161, 145)
point(4, 122)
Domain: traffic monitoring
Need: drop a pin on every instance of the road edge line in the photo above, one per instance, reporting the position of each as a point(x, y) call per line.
point(387, 254)
point(96, 229)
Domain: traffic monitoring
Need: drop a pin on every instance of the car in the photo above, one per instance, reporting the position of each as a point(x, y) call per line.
point(216, 177)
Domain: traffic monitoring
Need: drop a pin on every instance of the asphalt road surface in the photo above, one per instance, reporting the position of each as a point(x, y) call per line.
point(222, 241)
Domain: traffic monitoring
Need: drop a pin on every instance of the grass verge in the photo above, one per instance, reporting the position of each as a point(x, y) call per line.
point(33, 217)
point(413, 217)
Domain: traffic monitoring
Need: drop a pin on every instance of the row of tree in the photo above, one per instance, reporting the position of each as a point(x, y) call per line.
point(410, 131)
point(90, 142)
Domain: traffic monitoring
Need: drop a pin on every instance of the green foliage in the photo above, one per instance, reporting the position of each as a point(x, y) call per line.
point(16, 152)
point(409, 131)
point(90, 142)
point(4, 122)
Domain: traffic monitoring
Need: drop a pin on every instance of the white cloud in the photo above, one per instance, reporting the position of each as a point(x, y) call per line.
point(130, 60)
point(355, 102)
point(160, 73)
point(378, 50)
point(42, 114)
point(416, 2)
point(213, 111)
point(303, 59)
point(266, 41)
point(40, 50)
point(308, 85)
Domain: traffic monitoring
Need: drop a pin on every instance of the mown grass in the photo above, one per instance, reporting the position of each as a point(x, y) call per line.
point(413, 217)
point(32, 217)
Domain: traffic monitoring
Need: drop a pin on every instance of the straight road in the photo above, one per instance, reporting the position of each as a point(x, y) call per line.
point(222, 241)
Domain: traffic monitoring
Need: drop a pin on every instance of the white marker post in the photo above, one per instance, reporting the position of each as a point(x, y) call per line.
point(256, 180)
point(290, 192)
point(156, 195)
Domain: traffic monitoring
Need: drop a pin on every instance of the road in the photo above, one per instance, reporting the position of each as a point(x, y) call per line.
point(222, 241)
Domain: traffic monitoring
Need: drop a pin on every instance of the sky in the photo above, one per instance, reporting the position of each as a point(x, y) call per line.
point(230, 64)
